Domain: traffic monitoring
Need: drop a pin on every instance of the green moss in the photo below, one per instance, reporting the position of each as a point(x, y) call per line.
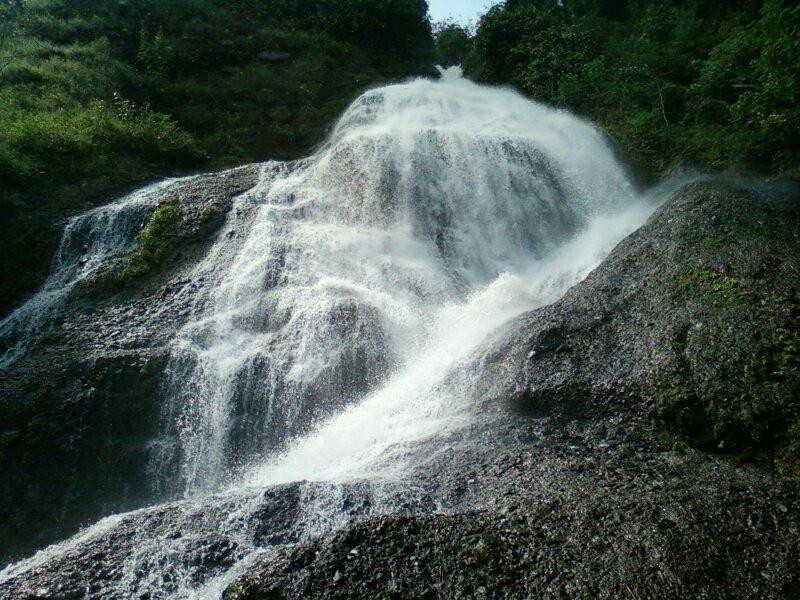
point(750, 408)
point(154, 242)
point(100, 374)
point(234, 591)
point(720, 288)
point(474, 553)
point(208, 216)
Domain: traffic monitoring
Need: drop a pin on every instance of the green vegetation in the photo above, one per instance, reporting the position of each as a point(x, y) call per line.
point(751, 408)
point(234, 591)
point(719, 288)
point(715, 84)
point(453, 43)
point(153, 243)
point(97, 96)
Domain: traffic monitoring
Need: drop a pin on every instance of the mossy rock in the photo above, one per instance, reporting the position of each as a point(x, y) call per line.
point(751, 408)
point(156, 239)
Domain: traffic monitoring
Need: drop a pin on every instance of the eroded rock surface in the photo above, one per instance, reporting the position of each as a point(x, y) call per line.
point(584, 472)
point(81, 406)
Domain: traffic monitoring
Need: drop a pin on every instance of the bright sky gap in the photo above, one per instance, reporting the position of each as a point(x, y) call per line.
point(461, 11)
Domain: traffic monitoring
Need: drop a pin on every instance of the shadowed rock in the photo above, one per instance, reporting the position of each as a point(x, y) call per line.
point(567, 484)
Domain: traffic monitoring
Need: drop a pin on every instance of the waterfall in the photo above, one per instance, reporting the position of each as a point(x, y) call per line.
point(434, 212)
point(88, 242)
point(346, 293)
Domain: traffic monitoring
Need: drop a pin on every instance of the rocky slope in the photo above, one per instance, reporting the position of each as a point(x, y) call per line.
point(593, 469)
point(80, 407)
point(693, 321)
point(684, 338)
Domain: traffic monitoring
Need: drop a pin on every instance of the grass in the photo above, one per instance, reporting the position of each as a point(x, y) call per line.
point(154, 243)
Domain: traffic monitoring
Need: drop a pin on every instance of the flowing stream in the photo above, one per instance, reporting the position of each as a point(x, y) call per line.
point(347, 291)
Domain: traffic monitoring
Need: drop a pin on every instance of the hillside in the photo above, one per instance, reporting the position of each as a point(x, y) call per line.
point(99, 96)
point(714, 85)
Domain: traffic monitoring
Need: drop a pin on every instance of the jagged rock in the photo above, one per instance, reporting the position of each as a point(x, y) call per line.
point(697, 308)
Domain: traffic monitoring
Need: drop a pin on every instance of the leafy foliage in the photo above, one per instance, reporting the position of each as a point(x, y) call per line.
point(453, 42)
point(710, 83)
point(153, 242)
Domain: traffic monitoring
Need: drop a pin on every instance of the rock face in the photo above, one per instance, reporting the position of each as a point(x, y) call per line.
point(580, 526)
point(694, 321)
point(678, 341)
point(80, 408)
point(590, 504)
point(592, 470)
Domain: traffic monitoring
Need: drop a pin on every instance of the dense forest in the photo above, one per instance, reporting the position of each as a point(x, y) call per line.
point(714, 84)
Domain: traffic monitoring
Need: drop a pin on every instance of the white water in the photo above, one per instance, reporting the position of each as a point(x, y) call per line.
point(89, 240)
point(360, 276)
point(422, 400)
point(347, 289)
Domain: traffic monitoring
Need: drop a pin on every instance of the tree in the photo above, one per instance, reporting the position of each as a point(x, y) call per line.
point(453, 42)
point(532, 44)
point(769, 111)
point(712, 82)
point(608, 9)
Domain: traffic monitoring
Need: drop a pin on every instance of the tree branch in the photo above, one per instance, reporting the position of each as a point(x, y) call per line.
point(661, 97)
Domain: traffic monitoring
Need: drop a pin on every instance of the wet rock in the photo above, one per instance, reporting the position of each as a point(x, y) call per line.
point(81, 406)
point(688, 328)
point(578, 515)
point(562, 487)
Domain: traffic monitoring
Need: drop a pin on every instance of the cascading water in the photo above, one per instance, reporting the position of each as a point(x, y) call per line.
point(88, 242)
point(347, 291)
point(430, 216)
